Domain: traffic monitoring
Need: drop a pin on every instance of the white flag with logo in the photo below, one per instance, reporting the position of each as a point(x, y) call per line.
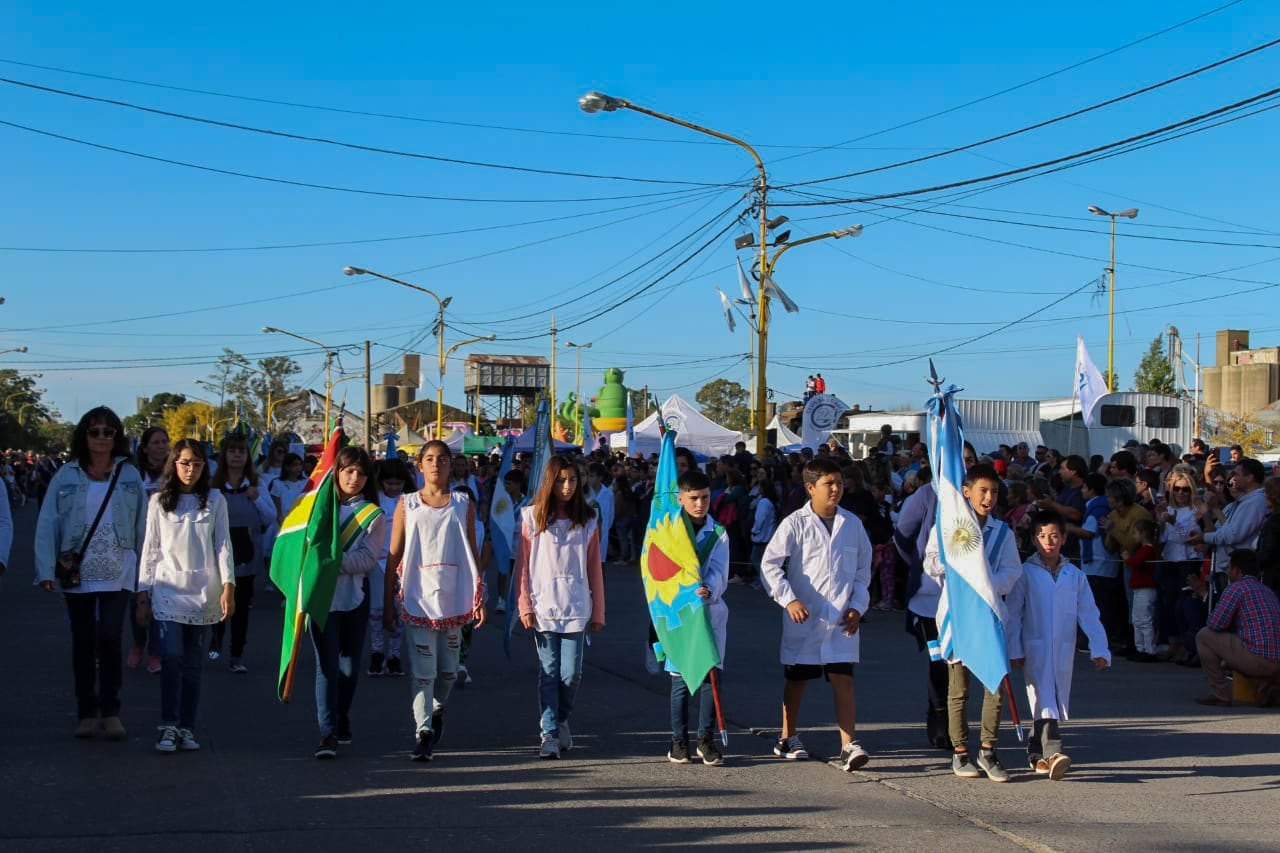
point(821, 415)
point(1090, 386)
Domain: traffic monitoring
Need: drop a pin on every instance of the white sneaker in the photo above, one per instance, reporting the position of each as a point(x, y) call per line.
point(791, 748)
point(853, 756)
point(566, 737)
point(168, 740)
point(187, 740)
point(550, 747)
point(501, 606)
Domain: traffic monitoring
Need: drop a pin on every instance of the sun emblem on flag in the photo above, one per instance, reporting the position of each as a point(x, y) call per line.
point(964, 537)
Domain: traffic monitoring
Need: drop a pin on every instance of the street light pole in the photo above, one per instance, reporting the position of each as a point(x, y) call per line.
point(328, 374)
point(1131, 213)
point(594, 102)
point(577, 376)
point(444, 356)
point(441, 304)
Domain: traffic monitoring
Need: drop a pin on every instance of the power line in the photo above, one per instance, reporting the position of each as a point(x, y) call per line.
point(329, 187)
point(1042, 124)
point(354, 146)
point(1024, 84)
point(1066, 159)
point(331, 243)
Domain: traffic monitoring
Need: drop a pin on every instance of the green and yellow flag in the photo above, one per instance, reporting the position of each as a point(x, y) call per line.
point(307, 558)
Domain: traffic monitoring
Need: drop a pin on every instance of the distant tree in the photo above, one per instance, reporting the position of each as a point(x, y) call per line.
point(189, 420)
point(253, 388)
point(24, 412)
point(1250, 436)
point(725, 402)
point(1155, 374)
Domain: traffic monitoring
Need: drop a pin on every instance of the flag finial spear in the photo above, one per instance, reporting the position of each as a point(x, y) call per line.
point(934, 380)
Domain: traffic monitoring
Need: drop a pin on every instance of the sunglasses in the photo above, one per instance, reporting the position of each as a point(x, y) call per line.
point(101, 432)
point(1219, 482)
point(1181, 489)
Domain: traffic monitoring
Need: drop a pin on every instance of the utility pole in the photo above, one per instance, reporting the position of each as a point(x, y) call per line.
point(553, 365)
point(368, 400)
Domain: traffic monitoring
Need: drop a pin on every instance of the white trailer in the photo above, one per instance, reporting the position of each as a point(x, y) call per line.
point(1119, 418)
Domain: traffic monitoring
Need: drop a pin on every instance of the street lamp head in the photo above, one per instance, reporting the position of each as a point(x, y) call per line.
point(776, 221)
point(354, 271)
point(746, 241)
point(269, 329)
point(444, 303)
point(851, 231)
point(594, 102)
point(490, 338)
point(1097, 211)
point(20, 349)
point(1131, 213)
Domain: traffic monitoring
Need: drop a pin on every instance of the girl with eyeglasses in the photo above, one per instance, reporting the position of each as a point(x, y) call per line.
point(249, 511)
point(186, 583)
point(107, 562)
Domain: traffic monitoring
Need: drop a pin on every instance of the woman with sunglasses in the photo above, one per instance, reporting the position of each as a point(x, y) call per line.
point(1179, 518)
point(98, 593)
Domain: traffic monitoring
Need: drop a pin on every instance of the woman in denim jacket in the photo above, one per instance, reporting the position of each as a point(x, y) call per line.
point(108, 571)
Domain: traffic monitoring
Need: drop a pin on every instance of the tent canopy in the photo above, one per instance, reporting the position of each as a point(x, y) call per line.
point(693, 429)
point(787, 440)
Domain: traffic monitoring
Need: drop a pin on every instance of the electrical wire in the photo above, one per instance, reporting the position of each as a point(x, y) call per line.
point(1041, 124)
point(353, 146)
point(1069, 158)
point(1024, 84)
point(331, 243)
point(328, 187)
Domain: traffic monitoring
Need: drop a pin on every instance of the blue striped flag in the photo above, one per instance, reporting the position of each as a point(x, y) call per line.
point(970, 612)
point(542, 451)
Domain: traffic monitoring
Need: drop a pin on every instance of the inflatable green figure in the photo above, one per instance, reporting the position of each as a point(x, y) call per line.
point(610, 412)
point(569, 419)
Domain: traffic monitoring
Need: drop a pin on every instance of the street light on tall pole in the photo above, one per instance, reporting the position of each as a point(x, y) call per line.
point(441, 304)
point(577, 374)
point(328, 373)
point(13, 349)
point(594, 102)
point(1131, 213)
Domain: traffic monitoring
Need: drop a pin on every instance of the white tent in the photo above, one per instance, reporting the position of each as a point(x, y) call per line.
point(694, 430)
point(786, 438)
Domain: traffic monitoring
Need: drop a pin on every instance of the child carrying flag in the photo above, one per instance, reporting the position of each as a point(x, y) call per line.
point(1046, 604)
point(711, 543)
point(824, 593)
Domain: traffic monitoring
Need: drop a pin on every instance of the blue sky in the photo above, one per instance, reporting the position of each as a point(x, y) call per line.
point(906, 287)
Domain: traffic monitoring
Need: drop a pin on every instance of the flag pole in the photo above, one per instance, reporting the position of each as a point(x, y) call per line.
point(1013, 709)
point(299, 626)
point(715, 696)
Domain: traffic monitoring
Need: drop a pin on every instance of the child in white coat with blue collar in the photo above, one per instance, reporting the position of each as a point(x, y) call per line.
point(824, 592)
point(1044, 607)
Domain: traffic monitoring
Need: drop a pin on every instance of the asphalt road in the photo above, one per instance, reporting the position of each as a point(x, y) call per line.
point(1151, 769)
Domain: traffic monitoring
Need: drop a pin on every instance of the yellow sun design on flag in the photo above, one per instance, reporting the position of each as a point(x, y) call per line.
point(669, 561)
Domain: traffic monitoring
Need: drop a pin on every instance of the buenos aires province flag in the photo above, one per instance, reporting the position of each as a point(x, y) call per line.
point(672, 573)
point(970, 612)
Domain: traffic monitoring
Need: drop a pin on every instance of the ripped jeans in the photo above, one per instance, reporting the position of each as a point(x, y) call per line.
point(433, 668)
point(338, 649)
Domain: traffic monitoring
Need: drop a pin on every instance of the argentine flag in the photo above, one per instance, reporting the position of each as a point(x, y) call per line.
point(970, 612)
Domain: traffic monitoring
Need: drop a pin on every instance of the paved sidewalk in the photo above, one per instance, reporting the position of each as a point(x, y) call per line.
point(1152, 769)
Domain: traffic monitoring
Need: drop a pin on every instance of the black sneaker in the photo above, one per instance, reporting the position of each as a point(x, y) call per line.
point(344, 732)
point(708, 753)
point(679, 752)
point(375, 664)
point(328, 748)
point(437, 726)
point(393, 667)
point(422, 749)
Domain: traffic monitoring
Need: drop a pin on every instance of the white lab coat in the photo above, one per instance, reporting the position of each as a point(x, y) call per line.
point(828, 573)
point(1043, 615)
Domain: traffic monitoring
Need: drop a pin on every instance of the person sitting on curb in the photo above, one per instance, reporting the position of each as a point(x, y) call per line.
point(1243, 632)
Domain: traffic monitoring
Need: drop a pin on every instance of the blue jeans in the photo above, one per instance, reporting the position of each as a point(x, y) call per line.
point(680, 707)
point(433, 664)
point(181, 651)
point(338, 649)
point(559, 674)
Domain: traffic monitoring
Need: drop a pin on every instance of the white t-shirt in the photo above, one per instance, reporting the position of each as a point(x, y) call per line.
point(106, 566)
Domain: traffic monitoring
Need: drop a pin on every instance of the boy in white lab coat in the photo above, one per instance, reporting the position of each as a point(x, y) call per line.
point(981, 489)
point(824, 591)
point(1046, 604)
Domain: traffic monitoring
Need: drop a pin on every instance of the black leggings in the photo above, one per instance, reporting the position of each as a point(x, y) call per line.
point(239, 619)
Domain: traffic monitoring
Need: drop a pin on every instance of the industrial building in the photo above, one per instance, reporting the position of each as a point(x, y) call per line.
point(1243, 381)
